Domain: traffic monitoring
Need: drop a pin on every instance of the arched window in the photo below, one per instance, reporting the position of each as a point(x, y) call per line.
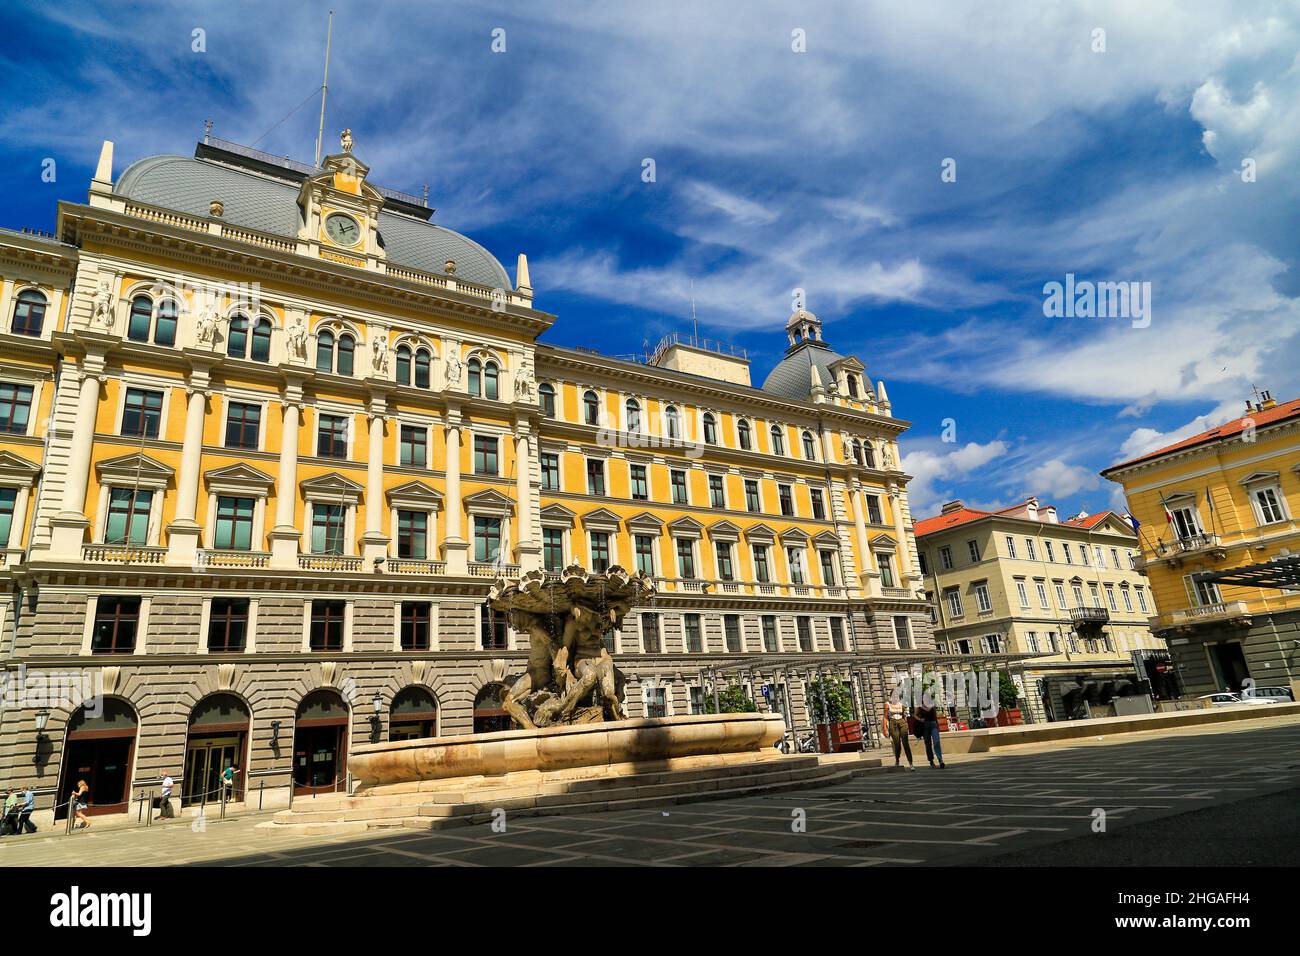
point(490, 378)
point(475, 368)
point(403, 365)
point(325, 351)
point(710, 429)
point(809, 448)
point(347, 349)
point(141, 320)
point(591, 408)
point(546, 399)
point(237, 338)
point(857, 451)
point(742, 432)
point(869, 455)
point(674, 421)
point(164, 330)
point(262, 341)
point(778, 441)
point(423, 361)
point(853, 386)
point(29, 313)
point(633, 415)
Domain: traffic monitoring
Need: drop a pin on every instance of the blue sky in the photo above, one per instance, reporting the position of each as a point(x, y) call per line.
point(774, 170)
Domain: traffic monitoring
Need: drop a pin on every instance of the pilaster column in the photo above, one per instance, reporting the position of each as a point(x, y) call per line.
point(455, 549)
point(184, 532)
point(68, 527)
point(374, 542)
point(860, 533)
point(528, 550)
point(285, 536)
point(909, 577)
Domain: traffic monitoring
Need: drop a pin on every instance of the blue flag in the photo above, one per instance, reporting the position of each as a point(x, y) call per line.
point(1135, 523)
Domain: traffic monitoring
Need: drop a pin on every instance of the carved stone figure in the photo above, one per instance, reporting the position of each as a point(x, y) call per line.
point(453, 370)
point(571, 677)
point(102, 307)
point(209, 322)
point(524, 385)
point(345, 140)
point(888, 456)
point(379, 355)
point(298, 339)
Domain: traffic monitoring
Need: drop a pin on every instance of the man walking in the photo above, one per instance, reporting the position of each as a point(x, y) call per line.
point(24, 824)
point(165, 798)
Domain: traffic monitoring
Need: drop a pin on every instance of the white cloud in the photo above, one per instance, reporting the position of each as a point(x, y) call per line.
point(1056, 479)
point(1143, 440)
point(934, 468)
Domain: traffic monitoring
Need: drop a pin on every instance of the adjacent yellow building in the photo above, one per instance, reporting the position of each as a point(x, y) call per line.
point(1218, 502)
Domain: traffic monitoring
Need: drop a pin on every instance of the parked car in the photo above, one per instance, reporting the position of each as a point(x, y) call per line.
point(1278, 694)
point(1225, 699)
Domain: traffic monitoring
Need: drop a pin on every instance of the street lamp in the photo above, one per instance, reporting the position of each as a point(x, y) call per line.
point(378, 703)
point(42, 718)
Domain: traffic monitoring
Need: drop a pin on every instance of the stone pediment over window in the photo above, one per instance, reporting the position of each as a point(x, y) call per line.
point(602, 519)
point(415, 496)
point(826, 539)
point(884, 541)
point(1259, 478)
point(135, 470)
point(761, 534)
point(489, 502)
point(18, 472)
point(557, 516)
point(794, 536)
point(332, 487)
point(238, 479)
point(686, 528)
point(645, 523)
point(724, 531)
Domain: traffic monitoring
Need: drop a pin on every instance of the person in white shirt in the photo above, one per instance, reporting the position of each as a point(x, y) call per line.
point(165, 798)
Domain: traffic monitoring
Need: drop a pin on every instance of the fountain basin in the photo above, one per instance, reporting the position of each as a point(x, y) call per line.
point(564, 747)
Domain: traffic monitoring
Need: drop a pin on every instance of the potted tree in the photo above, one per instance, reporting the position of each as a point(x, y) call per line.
point(732, 699)
point(1008, 696)
point(832, 712)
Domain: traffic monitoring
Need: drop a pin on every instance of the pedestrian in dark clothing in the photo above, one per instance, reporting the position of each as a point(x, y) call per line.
point(928, 718)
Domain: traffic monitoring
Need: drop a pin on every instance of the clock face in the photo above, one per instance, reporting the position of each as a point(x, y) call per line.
point(342, 229)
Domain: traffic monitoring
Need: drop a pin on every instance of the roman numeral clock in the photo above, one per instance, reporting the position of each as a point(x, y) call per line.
point(340, 212)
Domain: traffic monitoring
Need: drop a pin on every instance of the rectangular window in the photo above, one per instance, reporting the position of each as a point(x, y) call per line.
point(1078, 596)
point(233, 530)
point(1011, 547)
point(827, 559)
point(1042, 595)
point(752, 503)
point(493, 633)
point(1128, 599)
point(1096, 595)
point(8, 502)
point(717, 498)
point(15, 408)
point(1110, 597)
point(656, 701)
point(685, 558)
point(973, 548)
point(837, 634)
point(413, 535)
point(487, 539)
point(1270, 508)
point(678, 481)
point(1114, 558)
point(1031, 640)
point(731, 632)
point(945, 558)
point(873, 510)
point(1065, 549)
point(485, 455)
point(650, 633)
point(640, 486)
point(116, 621)
point(761, 571)
point(725, 570)
point(982, 600)
point(128, 517)
point(414, 450)
point(770, 639)
point(227, 625)
point(553, 549)
point(954, 602)
point(596, 477)
point(885, 561)
point(600, 551)
point(417, 625)
point(550, 471)
point(1142, 600)
point(818, 504)
point(804, 626)
point(921, 559)
point(332, 436)
point(142, 413)
point(787, 500)
point(645, 554)
point(903, 633)
point(694, 638)
point(327, 528)
point(1030, 549)
point(1022, 592)
point(1051, 552)
point(794, 555)
point(1083, 553)
point(243, 422)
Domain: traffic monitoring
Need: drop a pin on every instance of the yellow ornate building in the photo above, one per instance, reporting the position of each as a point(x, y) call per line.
point(269, 434)
point(1219, 516)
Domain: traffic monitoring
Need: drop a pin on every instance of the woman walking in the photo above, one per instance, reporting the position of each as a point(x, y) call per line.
point(896, 718)
point(81, 796)
point(928, 718)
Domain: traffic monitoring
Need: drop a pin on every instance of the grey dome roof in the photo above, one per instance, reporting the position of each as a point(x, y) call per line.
point(792, 376)
point(258, 202)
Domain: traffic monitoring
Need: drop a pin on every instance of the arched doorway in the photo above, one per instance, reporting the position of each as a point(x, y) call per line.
point(414, 714)
point(218, 738)
point(489, 713)
point(99, 749)
point(320, 743)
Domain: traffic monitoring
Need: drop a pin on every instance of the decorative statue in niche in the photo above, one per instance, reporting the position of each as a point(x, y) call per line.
point(887, 456)
point(453, 370)
point(208, 325)
point(298, 339)
point(524, 385)
point(379, 355)
point(102, 306)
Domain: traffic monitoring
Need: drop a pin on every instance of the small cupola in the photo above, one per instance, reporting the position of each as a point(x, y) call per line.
point(803, 326)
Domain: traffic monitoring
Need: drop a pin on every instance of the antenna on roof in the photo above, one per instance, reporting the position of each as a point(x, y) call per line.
point(324, 87)
point(207, 129)
point(695, 325)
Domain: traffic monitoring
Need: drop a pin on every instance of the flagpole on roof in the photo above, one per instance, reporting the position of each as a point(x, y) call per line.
point(324, 87)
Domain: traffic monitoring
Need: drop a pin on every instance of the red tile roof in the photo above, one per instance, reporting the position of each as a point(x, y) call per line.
point(1267, 416)
point(1090, 521)
point(963, 516)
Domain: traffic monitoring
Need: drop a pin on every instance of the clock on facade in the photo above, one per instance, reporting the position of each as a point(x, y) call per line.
point(342, 229)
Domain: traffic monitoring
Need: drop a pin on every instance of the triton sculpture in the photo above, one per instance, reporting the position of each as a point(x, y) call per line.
point(571, 677)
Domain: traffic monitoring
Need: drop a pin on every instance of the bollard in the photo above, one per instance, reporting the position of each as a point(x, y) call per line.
point(72, 814)
point(260, 787)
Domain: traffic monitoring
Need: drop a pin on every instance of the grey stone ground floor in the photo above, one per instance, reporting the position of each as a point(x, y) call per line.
point(1204, 796)
point(1212, 657)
